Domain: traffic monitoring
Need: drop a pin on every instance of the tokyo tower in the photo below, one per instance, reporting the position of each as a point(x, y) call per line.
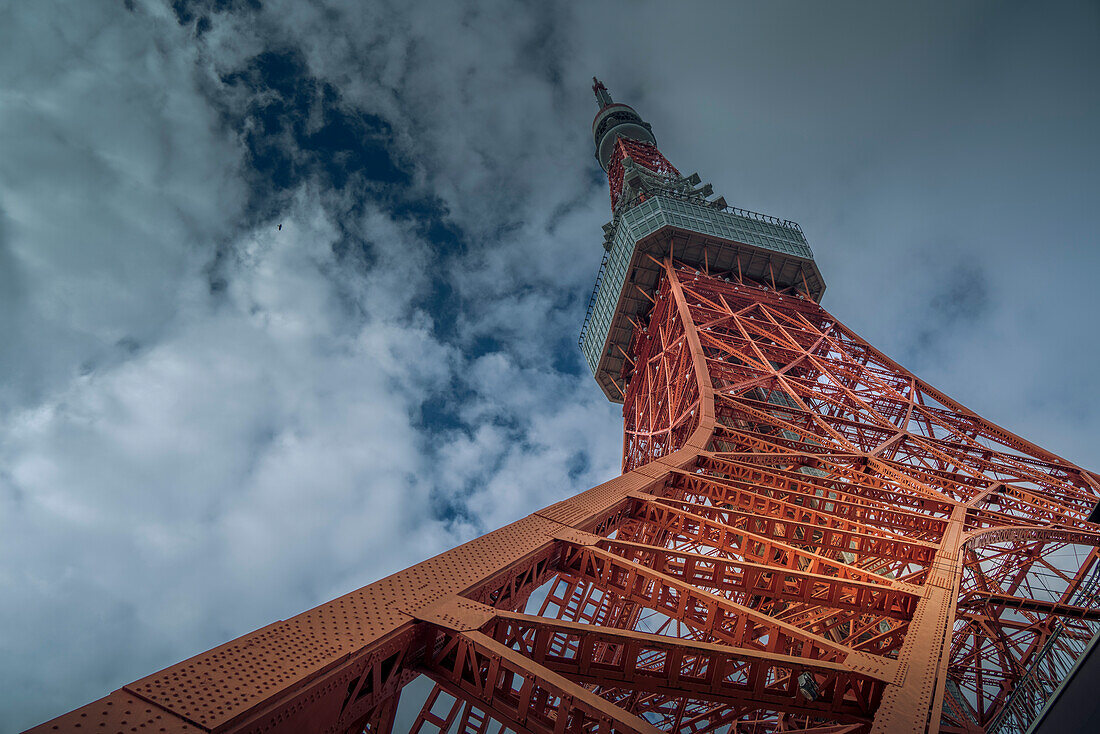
point(806, 537)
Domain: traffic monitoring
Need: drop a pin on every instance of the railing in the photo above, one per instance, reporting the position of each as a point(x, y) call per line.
point(592, 298)
point(1050, 666)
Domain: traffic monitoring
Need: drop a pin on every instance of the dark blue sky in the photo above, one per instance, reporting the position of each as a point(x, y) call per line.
point(208, 422)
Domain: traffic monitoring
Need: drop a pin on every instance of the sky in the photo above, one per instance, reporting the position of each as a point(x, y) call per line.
point(290, 292)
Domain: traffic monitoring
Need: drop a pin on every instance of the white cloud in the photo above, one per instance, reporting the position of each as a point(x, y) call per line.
point(112, 183)
point(229, 473)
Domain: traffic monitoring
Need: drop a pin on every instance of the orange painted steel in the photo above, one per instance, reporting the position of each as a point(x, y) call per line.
point(806, 537)
point(645, 154)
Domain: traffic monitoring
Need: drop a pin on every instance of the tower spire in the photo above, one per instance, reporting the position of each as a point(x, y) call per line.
point(603, 97)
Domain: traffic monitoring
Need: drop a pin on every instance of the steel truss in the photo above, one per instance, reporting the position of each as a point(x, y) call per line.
point(806, 537)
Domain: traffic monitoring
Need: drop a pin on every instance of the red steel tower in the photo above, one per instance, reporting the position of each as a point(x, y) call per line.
point(805, 537)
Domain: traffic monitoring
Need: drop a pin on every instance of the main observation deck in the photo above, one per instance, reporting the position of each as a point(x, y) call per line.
point(720, 240)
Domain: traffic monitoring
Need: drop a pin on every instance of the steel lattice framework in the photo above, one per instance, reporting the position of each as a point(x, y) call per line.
point(805, 537)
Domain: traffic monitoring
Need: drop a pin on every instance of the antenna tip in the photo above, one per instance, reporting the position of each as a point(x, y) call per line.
point(603, 98)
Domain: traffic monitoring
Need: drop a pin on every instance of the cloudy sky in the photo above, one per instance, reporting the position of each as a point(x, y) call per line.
point(208, 423)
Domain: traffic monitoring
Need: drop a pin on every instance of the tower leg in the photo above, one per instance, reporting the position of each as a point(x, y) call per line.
point(914, 702)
